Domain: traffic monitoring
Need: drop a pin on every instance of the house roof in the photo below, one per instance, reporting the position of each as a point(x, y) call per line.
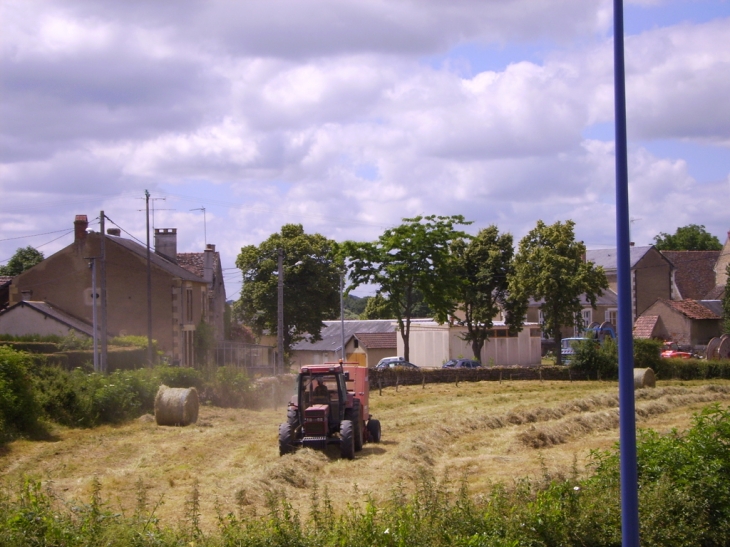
point(5, 280)
point(377, 340)
point(691, 309)
point(694, 273)
point(155, 259)
point(332, 333)
point(714, 305)
point(195, 262)
point(607, 258)
point(716, 293)
point(54, 313)
point(644, 326)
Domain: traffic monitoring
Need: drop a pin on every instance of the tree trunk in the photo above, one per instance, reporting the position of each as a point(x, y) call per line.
point(558, 346)
point(476, 347)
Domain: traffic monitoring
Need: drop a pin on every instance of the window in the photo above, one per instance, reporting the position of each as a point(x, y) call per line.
point(189, 305)
point(612, 316)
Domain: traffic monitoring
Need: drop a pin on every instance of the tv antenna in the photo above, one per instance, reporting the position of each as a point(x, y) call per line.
point(205, 229)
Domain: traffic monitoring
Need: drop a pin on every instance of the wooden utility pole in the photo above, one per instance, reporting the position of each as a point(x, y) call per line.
point(102, 364)
point(149, 284)
point(280, 315)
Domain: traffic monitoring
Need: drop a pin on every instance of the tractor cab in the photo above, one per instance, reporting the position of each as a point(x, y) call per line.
point(325, 389)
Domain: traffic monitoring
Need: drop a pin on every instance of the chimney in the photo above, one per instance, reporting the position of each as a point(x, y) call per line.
point(166, 243)
point(81, 223)
point(114, 232)
point(208, 260)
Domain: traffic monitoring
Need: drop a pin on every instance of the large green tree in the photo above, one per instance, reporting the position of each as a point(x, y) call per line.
point(550, 267)
point(23, 259)
point(483, 266)
point(687, 238)
point(410, 258)
point(311, 284)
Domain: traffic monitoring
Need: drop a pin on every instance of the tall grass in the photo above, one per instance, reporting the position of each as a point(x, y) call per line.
point(684, 497)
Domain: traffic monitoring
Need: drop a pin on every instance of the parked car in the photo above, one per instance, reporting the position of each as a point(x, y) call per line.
point(385, 360)
point(462, 363)
point(671, 350)
point(395, 364)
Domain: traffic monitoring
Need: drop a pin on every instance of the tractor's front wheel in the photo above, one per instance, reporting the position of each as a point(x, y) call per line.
point(286, 437)
point(347, 440)
point(374, 430)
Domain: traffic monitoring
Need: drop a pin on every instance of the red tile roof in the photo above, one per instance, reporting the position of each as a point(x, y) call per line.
point(377, 340)
point(192, 262)
point(694, 274)
point(644, 326)
point(692, 309)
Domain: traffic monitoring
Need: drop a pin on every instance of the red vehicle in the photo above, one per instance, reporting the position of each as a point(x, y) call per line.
point(670, 350)
point(330, 406)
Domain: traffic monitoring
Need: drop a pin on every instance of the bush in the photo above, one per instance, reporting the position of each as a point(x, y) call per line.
point(647, 353)
point(230, 388)
point(597, 360)
point(20, 411)
point(180, 377)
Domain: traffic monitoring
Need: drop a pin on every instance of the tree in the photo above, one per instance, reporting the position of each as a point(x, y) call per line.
point(550, 266)
point(380, 307)
point(407, 259)
point(23, 259)
point(311, 284)
point(687, 238)
point(484, 265)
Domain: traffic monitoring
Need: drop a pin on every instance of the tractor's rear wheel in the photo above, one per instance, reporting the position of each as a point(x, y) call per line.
point(347, 440)
point(286, 437)
point(374, 430)
point(357, 425)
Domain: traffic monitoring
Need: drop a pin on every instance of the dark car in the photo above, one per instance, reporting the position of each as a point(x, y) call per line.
point(462, 363)
point(394, 364)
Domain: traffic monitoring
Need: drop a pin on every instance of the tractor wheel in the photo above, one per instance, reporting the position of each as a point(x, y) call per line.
point(292, 417)
point(347, 440)
point(286, 436)
point(374, 430)
point(357, 425)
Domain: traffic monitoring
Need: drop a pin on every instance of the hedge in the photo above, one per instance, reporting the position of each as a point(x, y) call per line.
point(31, 347)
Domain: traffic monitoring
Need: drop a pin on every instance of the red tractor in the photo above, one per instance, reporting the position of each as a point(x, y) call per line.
point(330, 406)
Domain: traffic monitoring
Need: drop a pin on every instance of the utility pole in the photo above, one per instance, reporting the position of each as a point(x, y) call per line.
point(280, 315)
point(95, 325)
point(102, 364)
point(342, 316)
point(149, 284)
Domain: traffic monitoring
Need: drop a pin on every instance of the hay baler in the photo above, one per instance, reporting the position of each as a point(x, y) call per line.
point(330, 406)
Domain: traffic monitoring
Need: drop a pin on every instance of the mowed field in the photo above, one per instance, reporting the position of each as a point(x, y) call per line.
point(484, 432)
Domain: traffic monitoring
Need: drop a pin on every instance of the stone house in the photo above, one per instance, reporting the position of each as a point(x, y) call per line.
point(686, 322)
point(180, 299)
point(652, 275)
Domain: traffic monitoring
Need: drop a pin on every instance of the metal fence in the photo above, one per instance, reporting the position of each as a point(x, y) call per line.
point(255, 359)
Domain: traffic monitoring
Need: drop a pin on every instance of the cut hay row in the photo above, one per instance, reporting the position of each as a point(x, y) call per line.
point(575, 427)
point(431, 443)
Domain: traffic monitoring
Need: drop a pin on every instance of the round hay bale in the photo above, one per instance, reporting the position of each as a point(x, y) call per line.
point(644, 377)
point(176, 406)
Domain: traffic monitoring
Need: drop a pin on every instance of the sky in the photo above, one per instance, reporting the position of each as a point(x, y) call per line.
point(347, 116)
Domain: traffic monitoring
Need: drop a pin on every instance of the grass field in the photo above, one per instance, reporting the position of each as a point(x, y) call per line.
point(483, 432)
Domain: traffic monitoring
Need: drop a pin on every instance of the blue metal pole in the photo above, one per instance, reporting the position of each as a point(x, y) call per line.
point(629, 486)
